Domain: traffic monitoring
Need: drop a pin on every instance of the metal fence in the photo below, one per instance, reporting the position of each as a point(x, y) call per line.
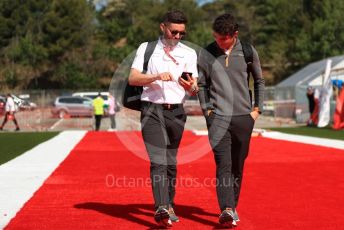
point(40, 117)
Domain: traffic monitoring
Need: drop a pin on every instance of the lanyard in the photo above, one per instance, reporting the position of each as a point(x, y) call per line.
point(229, 53)
point(167, 50)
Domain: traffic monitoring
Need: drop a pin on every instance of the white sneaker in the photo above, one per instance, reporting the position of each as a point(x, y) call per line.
point(236, 216)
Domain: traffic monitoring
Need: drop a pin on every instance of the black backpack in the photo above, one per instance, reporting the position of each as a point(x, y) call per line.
point(132, 94)
point(248, 55)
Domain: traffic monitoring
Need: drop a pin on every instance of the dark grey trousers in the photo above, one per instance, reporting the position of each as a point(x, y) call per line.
point(229, 138)
point(162, 131)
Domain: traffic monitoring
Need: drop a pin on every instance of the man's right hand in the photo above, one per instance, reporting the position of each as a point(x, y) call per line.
point(140, 79)
point(166, 76)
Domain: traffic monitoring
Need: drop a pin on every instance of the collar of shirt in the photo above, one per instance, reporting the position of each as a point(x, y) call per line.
point(172, 53)
point(228, 51)
point(162, 45)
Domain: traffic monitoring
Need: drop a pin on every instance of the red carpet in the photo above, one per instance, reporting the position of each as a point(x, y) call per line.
point(286, 186)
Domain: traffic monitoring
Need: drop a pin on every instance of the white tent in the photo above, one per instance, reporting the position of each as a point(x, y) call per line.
point(290, 94)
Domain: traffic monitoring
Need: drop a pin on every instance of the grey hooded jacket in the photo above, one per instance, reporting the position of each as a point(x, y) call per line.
point(224, 88)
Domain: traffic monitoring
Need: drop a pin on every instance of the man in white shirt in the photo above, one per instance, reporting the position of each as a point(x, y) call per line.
point(162, 113)
point(10, 109)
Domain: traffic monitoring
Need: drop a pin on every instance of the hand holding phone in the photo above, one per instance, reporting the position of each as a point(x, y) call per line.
point(186, 81)
point(185, 77)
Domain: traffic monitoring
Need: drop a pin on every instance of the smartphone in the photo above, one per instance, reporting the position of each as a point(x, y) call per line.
point(185, 77)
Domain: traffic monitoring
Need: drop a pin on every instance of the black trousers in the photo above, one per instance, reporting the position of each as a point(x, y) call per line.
point(229, 138)
point(6, 119)
point(162, 130)
point(98, 119)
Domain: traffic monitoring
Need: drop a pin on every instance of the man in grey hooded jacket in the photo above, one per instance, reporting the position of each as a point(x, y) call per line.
point(227, 106)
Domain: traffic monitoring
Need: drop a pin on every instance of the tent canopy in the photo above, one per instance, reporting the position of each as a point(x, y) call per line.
point(312, 71)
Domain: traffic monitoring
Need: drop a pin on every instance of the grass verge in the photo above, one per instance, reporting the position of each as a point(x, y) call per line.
point(326, 132)
point(15, 144)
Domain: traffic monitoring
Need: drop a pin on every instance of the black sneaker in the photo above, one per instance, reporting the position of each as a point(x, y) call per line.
point(173, 216)
point(17, 129)
point(226, 218)
point(162, 217)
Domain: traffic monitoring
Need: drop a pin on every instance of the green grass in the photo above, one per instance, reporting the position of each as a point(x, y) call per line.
point(326, 132)
point(15, 144)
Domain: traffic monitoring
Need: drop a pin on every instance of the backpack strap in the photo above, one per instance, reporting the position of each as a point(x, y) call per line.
point(148, 53)
point(132, 94)
point(248, 52)
point(248, 55)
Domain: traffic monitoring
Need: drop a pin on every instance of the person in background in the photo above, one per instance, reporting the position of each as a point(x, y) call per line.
point(112, 112)
point(10, 109)
point(313, 106)
point(226, 103)
point(98, 106)
point(310, 97)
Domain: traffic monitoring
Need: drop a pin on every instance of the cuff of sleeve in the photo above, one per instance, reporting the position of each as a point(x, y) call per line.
point(258, 110)
point(194, 90)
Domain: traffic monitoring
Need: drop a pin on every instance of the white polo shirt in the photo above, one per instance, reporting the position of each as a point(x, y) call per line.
point(170, 92)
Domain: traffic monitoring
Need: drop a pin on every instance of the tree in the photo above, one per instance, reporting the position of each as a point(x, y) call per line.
point(67, 43)
point(36, 36)
point(325, 28)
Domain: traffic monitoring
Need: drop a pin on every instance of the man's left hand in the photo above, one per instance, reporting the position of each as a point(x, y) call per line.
point(254, 115)
point(187, 85)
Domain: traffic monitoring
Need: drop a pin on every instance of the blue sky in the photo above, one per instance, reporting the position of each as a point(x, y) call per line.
point(201, 2)
point(100, 3)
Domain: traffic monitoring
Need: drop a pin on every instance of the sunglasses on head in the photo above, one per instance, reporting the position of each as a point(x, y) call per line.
point(175, 32)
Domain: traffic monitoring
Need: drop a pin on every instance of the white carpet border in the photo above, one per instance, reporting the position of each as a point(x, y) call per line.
point(325, 142)
point(21, 177)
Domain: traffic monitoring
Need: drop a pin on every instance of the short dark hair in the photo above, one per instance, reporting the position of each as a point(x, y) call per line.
point(175, 16)
point(225, 24)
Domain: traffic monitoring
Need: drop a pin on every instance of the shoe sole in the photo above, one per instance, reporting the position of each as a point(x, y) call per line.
point(162, 218)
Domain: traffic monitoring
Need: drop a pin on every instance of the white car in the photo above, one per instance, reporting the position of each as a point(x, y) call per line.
point(93, 95)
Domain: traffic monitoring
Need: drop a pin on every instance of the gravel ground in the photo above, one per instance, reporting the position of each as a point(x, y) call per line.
point(42, 120)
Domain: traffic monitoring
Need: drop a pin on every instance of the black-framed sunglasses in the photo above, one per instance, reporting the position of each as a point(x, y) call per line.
point(175, 32)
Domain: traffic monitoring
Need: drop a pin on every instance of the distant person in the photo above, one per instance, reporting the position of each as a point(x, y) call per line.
point(10, 109)
point(313, 106)
point(112, 112)
point(310, 97)
point(98, 106)
point(338, 117)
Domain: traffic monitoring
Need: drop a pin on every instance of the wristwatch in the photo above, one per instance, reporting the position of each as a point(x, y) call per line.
point(194, 89)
